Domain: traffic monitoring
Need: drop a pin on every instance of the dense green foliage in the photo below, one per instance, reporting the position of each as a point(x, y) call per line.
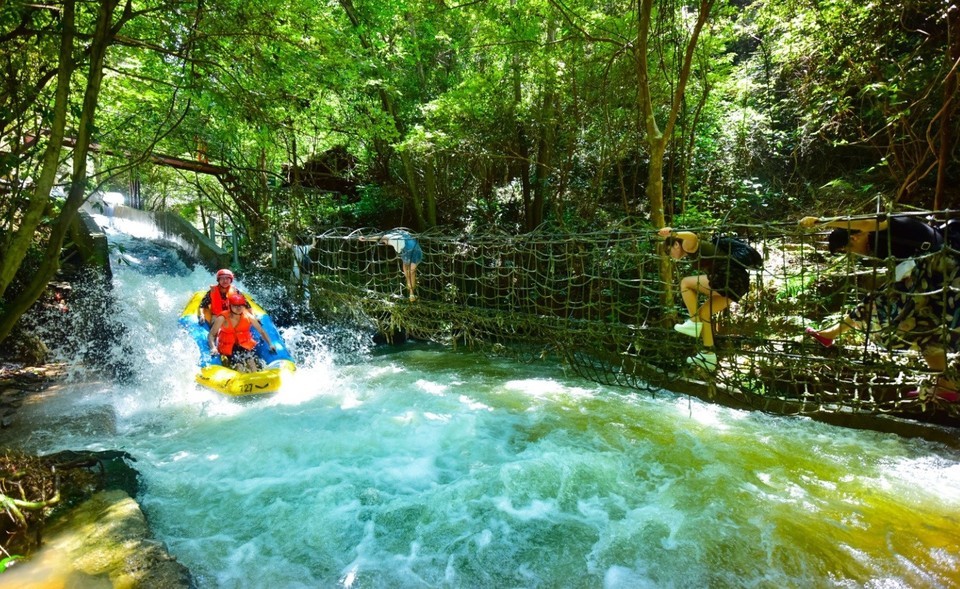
point(470, 112)
point(298, 116)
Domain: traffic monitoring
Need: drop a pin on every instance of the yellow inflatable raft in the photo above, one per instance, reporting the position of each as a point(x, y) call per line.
point(214, 375)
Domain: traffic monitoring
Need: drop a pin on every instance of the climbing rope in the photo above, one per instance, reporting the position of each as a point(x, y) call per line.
point(601, 302)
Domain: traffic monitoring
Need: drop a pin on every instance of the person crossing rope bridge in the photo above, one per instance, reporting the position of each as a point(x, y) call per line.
point(408, 248)
point(722, 279)
point(590, 296)
point(898, 237)
point(918, 306)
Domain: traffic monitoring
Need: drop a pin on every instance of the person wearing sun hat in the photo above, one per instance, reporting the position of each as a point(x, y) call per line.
point(719, 278)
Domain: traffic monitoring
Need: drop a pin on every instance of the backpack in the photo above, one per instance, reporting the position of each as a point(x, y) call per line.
point(908, 237)
point(951, 233)
point(739, 251)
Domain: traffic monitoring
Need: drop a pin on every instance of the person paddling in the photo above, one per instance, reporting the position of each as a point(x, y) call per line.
point(215, 302)
point(230, 336)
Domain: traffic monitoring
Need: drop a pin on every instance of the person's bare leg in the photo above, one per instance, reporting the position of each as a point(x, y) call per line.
point(937, 361)
point(714, 305)
point(410, 274)
point(690, 288)
point(838, 329)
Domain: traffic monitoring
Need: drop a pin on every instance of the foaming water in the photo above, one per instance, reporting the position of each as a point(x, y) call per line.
point(428, 468)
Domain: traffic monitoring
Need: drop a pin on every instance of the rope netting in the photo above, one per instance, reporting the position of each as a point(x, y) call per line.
point(606, 303)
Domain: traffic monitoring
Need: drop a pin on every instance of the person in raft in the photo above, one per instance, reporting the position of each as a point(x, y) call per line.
point(215, 301)
point(408, 248)
point(230, 336)
point(720, 279)
point(918, 308)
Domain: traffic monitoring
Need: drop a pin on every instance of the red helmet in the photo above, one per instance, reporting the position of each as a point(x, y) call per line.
point(224, 272)
point(237, 299)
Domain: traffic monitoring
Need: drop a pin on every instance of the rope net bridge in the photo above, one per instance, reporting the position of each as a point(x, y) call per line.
point(606, 303)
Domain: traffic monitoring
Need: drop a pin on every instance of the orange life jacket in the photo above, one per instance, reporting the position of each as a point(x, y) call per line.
point(238, 334)
point(220, 304)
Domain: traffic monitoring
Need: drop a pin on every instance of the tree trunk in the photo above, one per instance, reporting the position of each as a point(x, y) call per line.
point(657, 140)
point(947, 126)
point(430, 190)
point(16, 248)
point(78, 187)
point(543, 167)
point(409, 169)
point(652, 130)
point(520, 165)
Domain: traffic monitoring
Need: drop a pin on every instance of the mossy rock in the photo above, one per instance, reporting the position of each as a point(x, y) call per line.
point(25, 348)
point(103, 542)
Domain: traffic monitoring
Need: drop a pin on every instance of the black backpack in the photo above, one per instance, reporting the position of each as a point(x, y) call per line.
point(951, 233)
point(739, 251)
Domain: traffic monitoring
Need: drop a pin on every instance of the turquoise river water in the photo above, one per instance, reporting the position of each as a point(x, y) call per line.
point(422, 467)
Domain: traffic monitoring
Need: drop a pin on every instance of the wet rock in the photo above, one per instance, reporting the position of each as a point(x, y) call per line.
point(103, 542)
point(21, 385)
point(11, 397)
point(25, 347)
point(114, 467)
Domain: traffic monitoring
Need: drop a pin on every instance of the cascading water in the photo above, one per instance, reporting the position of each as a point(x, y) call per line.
point(429, 468)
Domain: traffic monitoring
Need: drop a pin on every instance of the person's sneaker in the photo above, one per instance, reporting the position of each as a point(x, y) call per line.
point(413, 298)
point(689, 327)
point(939, 392)
point(948, 395)
point(824, 341)
point(705, 360)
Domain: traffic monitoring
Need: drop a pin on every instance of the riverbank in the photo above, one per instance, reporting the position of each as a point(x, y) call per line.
point(101, 539)
point(104, 542)
point(19, 383)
